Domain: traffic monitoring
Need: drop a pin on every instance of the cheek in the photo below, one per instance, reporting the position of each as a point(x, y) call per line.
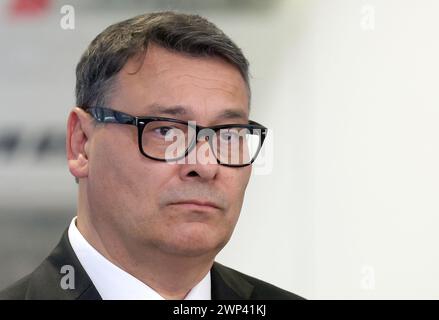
point(236, 183)
point(124, 181)
point(240, 178)
point(109, 163)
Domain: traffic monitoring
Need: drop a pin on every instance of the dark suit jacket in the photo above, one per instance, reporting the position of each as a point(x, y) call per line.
point(45, 282)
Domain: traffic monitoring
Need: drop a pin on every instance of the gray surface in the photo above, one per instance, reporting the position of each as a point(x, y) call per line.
point(26, 238)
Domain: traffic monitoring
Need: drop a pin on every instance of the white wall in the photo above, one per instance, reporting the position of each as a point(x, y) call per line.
point(375, 149)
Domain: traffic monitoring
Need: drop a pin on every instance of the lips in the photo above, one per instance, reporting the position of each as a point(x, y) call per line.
point(197, 204)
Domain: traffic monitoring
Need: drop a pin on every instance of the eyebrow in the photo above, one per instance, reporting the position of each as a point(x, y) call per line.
point(170, 110)
point(180, 110)
point(230, 114)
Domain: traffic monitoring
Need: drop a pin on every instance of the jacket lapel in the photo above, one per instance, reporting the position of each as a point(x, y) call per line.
point(46, 281)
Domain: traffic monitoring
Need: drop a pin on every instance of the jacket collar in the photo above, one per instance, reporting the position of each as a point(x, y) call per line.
point(46, 282)
point(228, 284)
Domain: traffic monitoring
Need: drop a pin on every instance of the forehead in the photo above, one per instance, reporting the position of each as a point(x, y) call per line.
point(203, 87)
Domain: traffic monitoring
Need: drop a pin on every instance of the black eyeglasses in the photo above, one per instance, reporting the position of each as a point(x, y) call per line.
point(167, 139)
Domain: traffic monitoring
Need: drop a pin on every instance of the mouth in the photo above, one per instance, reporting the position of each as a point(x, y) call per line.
point(197, 205)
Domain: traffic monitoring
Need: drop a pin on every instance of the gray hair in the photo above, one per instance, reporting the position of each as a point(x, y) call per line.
point(184, 33)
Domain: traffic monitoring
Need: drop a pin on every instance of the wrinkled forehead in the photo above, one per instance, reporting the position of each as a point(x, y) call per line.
point(162, 82)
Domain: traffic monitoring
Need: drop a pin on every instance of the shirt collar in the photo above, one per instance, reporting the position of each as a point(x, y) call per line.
point(113, 283)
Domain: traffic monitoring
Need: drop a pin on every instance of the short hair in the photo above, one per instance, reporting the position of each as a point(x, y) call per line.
point(183, 33)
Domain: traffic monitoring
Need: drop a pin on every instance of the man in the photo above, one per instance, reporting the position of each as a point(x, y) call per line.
point(161, 146)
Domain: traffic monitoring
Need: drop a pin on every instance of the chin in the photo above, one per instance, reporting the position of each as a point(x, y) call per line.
point(193, 243)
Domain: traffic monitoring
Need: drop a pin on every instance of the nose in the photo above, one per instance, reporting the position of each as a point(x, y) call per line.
point(200, 163)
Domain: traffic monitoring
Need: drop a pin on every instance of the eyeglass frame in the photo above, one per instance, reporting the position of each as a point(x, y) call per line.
point(108, 115)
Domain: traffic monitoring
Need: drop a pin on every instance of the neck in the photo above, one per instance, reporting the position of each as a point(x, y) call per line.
point(169, 275)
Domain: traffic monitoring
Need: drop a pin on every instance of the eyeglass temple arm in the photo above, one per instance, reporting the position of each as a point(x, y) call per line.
point(111, 116)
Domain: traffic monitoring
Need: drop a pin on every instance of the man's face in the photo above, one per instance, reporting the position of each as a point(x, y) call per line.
point(134, 195)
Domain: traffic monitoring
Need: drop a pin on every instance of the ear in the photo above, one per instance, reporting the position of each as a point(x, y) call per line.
point(79, 129)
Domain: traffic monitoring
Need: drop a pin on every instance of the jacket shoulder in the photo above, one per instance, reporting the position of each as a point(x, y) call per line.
point(17, 290)
point(261, 290)
point(44, 283)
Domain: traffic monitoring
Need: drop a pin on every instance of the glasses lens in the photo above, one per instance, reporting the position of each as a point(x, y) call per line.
point(166, 140)
point(237, 146)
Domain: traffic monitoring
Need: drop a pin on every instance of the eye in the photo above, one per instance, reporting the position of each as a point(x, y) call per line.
point(163, 131)
point(229, 136)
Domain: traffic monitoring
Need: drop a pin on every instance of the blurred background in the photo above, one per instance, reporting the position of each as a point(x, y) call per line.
point(348, 207)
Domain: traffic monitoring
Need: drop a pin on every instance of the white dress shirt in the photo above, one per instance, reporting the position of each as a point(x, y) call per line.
point(113, 283)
